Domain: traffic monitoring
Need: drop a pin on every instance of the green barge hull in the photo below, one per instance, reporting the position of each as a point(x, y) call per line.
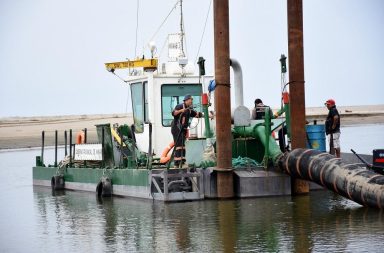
point(126, 171)
point(165, 185)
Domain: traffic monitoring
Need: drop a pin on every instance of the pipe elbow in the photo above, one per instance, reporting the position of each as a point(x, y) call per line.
point(235, 65)
point(238, 76)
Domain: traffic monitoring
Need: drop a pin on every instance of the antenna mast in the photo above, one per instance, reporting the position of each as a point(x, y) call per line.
point(181, 29)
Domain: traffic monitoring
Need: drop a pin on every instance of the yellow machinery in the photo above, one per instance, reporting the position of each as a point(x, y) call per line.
point(146, 64)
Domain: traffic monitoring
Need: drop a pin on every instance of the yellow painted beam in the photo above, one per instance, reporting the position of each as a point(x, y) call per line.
point(116, 136)
point(141, 63)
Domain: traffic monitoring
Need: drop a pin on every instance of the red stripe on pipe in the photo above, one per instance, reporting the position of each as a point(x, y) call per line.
point(298, 161)
point(322, 169)
point(362, 198)
point(334, 185)
point(286, 164)
point(349, 194)
point(310, 164)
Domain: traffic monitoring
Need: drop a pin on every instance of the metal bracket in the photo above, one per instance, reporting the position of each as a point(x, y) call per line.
point(157, 186)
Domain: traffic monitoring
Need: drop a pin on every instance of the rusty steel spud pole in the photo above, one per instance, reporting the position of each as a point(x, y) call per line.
point(223, 99)
point(296, 80)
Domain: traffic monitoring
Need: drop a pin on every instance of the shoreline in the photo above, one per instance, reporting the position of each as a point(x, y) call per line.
point(25, 132)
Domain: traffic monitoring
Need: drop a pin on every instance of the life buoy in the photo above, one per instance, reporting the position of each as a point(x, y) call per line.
point(80, 137)
point(164, 156)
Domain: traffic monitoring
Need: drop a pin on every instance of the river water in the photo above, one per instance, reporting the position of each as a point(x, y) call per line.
point(34, 219)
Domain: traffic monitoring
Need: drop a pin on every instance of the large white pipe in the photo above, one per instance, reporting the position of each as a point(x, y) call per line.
point(238, 76)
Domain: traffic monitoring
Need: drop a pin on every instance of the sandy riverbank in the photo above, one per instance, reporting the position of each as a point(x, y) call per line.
point(25, 132)
point(350, 115)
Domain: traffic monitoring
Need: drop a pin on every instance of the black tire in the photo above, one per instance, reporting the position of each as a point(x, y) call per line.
point(99, 189)
point(57, 183)
point(104, 188)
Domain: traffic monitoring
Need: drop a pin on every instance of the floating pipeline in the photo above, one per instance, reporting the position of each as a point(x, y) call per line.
point(349, 180)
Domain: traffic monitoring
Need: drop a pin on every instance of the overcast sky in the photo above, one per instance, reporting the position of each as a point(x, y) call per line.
point(52, 51)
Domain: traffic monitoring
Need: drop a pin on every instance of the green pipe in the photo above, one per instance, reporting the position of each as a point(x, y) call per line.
point(288, 119)
point(273, 149)
point(258, 132)
point(208, 133)
point(267, 122)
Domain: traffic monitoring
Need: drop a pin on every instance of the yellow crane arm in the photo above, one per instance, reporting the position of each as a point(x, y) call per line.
point(147, 64)
point(116, 136)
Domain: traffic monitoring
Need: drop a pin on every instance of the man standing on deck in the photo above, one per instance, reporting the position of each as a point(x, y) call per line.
point(332, 127)
point(181, 115)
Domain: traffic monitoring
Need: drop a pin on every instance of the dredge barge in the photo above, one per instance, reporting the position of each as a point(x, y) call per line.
point(136, 160)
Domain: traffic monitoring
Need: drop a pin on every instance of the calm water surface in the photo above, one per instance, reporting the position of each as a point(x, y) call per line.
point(33, 219)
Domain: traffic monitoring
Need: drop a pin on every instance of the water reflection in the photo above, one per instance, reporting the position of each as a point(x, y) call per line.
point(227, 224)
point(301, 213)
point(33, 219)
point(319, 222)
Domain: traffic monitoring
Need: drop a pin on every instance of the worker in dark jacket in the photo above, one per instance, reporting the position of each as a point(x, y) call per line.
point(332, 127)
point(181, 115)
point(259, 111)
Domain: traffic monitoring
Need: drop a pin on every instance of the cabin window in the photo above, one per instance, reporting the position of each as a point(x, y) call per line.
point(173, 94)
point(138, 105)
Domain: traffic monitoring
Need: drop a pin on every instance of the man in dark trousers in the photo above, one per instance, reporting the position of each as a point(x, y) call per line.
point(181, 115)
point(332, 127)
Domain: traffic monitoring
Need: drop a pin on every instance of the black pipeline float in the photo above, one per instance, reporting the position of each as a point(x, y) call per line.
point(349, 180)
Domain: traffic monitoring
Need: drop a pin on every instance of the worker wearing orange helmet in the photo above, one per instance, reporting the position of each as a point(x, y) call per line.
point(332, 127)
